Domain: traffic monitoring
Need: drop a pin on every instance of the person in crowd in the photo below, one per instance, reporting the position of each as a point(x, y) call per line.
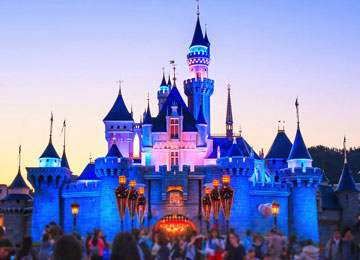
point(45, 246)
point(267, 256)
point(190, 247)
point(155, 244)
point(164, 252)
point(258, 246)
point(275, 245)
point(96, 245)
point(5, 248)
point(234, 250)
point(67, 248)
point(247, 242)
point(26, 251)
point(47, 229)
point(332, 246)
point(251, 254)
point(55, 230)
point(215, 245)
point(124, 247)
point(87, 241)
point(348, 249)
point(309, 252)
point(175, 252)
point(144, 250)
point(294, 247)
point(322, 254)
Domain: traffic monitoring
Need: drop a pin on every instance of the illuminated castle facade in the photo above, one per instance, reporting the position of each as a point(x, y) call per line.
point(178, 158)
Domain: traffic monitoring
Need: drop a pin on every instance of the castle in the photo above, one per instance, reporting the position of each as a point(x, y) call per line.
point(177, 159)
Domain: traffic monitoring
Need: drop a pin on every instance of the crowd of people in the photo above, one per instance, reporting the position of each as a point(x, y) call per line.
point(158, 245)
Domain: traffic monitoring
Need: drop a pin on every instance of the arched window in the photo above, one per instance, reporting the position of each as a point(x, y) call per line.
point(136, 146)
point(174, 156)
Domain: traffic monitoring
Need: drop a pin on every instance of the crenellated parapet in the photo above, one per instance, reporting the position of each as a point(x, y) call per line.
point(270, 189)
point(81, 189)
point(300, 176)
point(199, 86)
point(112, 166)
point(48, 177)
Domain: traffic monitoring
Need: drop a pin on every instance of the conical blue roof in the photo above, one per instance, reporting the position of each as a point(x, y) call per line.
point(346, 182)
point(50, 152)
point(148, 118)
point(280, 149)
point(234, 150)
point(198, 38)
point(206, 39)
point(169, 82)
point(114, 151)
point(64, 160)
point(201, 118)
point(119, 111)
point(88, 173)
point(163, 82)
point(299, 150)
point(18, 182)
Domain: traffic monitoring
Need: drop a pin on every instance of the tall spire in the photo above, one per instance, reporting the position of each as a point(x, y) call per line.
point(345, 155)
point(64, 130)
point(229, 117)
point(51, 127)
point(119, 82)
point(198, 8)
point(19, 157)
point(172, 62)
point(131, 111)
point(64, 161)
point(297, 112)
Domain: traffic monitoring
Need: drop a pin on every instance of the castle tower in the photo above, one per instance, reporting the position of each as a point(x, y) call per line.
point(303, 180)
point(17, 208)
point(229, 117)
point(119, 124)
point(163, 93)
point(198, 87)
point(201, 125)
point(48, 180)
point(347, 195)
point(64, 160)
point(146, 128)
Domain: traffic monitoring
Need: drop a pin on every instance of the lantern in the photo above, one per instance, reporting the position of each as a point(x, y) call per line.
point(75, 208)
point(122, 180)
point(275, 208)
point(132, 184)
point(1, 220)
point(207, 191)
point(226, 179)
point(141, 191)
point(216, 183)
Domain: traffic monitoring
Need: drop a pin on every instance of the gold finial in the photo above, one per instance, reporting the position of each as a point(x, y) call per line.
point(119, 82)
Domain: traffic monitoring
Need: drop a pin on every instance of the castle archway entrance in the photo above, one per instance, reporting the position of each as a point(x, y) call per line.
point(175, 224)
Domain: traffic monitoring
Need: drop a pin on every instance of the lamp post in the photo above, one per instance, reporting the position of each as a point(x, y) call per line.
point(227, 198)
point(121, 195)
point(215, 200)
point(275, 211)
point(206, 207)
point(132, 201)
point(75, 210)
point(141, 206)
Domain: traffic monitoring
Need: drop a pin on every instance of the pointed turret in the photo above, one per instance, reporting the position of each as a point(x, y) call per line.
point(18, 182)
point(235, 150)
point(50, 158)
point(114, 151)
point(169, 83)
point(119, 112)
point(64, 160)
point(198, 38)
point(229, 117)
point(163, 93)
point(148, 118)
point(281, 147)
point(88, 174)
point(346, 182)
point(299, 150)
point(163, 82)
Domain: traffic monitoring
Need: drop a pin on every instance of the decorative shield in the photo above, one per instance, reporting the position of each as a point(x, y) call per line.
point(206, 207)
point(215, 202)
point(140, 209)
point(132, 201)
point(121, 194)
point(226, 198)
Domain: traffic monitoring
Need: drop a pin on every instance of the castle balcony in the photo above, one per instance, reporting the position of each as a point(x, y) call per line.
point(198, 54)
point(199, 86)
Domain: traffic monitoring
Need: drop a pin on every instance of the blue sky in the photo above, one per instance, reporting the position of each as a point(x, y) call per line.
point(66, 56)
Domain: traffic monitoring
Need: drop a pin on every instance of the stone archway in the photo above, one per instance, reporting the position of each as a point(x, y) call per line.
point(175, 224)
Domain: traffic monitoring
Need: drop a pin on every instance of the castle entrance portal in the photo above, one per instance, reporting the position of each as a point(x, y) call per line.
point(175, 224)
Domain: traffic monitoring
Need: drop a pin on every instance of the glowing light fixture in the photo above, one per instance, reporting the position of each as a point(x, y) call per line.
point(132, 184)
point(141, 191)
point(226, 179)
point(216, 183)
point(122, 180)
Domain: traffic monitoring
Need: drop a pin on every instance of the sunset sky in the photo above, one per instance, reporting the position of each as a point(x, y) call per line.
point(66, 56)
